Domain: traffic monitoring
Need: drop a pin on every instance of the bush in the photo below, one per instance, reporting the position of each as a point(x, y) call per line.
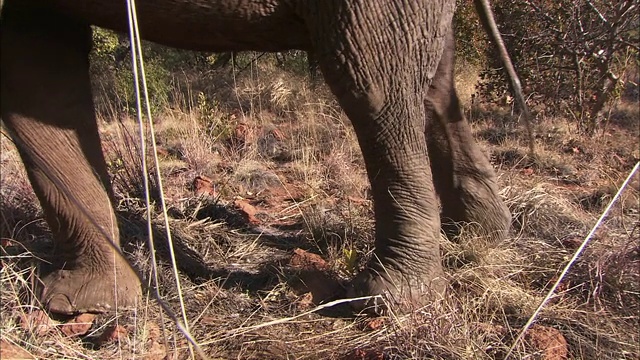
point(570, 55)
point(471, 39)
point(112, 75)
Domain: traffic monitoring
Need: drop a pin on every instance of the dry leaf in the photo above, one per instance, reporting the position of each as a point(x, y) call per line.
point(375, 324)
point(6, 242)
point(305, 301)
point(154, 348)
point(365, 354)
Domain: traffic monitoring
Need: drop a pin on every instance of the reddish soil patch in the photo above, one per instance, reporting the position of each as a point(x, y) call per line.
point(548, 342)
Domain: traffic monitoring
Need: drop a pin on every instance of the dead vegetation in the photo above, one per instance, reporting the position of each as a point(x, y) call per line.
point(269, 208)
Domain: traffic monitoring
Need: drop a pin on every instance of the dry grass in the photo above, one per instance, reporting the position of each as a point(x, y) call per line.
point(286, 149)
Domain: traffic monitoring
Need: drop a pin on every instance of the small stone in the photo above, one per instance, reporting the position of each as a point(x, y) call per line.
point(204, 186)
point(304, 260)
point(78, 326)
point(248, 211)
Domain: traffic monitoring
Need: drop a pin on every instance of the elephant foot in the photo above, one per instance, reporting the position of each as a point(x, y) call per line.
point(476, 208)
point(397, 291)
point(83, 290)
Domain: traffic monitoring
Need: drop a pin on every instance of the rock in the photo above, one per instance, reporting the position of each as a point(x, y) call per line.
point(304, 260)
point(9, 351)
point(313, 276)
point(204, 186)
point(78, 326)
point(548, 342)
point(248, 211)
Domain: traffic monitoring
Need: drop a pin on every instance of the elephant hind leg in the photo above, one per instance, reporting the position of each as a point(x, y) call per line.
point(48, 110)
point(463, 177)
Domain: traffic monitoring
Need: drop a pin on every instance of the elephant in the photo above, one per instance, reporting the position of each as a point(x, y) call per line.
point(389, 64)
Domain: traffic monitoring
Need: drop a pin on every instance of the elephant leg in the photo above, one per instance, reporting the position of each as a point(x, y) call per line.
point(464, 179)
point(47, 108)
point(379, 81)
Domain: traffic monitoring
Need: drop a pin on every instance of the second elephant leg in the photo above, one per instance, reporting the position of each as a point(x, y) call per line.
point(463, 177)
point(378, 81)
point(47, 108)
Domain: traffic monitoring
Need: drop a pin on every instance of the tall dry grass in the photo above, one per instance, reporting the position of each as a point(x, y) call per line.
point(283, 146)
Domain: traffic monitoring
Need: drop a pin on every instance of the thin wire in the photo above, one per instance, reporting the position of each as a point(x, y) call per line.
point(163, 204)
point(145, 169)
point(244, 330)
point(134, 29)
point(573, 260)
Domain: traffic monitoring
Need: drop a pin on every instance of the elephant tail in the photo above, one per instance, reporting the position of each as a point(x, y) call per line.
point(483, 7)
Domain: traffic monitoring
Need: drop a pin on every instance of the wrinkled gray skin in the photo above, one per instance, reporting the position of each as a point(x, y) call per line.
point(389, 63)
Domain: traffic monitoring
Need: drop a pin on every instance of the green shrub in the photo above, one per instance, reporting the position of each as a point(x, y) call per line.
point(112, 74)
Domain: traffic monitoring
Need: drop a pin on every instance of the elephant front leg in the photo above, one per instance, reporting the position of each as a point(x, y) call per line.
point(379, 82)
point(47, 108)
point(464, 179)
point(406, 264)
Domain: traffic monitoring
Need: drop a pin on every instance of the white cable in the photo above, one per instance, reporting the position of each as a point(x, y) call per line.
point(572, 261)
point(136, 51)
point(145, 168)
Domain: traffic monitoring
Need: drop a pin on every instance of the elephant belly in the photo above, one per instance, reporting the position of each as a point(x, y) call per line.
point(206, 25)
